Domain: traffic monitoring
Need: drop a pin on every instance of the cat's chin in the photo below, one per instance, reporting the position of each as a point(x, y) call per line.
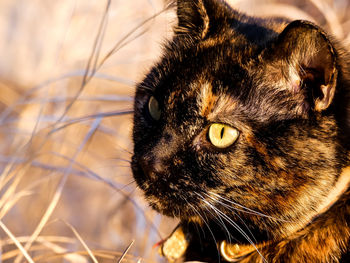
point(172, 209)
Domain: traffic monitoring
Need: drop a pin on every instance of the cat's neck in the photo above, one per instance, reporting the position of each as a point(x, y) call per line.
point(329, 222)
point(339, 189)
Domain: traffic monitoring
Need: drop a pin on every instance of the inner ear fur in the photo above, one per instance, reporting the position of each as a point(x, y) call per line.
point(307, 47)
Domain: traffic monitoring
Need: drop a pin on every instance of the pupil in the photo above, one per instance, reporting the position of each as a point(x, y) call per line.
point(222, 133)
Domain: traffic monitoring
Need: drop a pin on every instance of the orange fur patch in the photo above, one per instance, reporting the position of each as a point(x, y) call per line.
point(207, 100)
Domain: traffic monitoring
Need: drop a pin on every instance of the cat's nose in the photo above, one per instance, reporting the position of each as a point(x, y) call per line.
point(151, 168)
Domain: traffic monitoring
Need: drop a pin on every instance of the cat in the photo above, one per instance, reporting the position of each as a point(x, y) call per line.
point(242, 131)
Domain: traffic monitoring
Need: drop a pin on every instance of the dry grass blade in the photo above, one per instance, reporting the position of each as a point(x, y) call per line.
point(124, 41)
point(9, 192)
point(59, 190)
point(9, 255)
point(39, 116)
point(58, 99)
point(126, 251)
point(94, 56)
point(40, 239)
point(11, 203)
point(93, 116)
point(51, 243)
point(17, 243)
point(46, 216)
point(103, 254)
point(82, 242)
point(91, 174)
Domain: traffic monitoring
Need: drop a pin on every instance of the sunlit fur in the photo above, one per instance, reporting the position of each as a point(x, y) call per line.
point(285, 87)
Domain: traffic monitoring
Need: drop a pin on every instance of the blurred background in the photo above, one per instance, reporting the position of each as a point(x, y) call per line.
point(68, 70)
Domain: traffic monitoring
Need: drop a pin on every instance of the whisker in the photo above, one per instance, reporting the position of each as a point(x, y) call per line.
point(199, 214)
point(244, 209)
point(124, 149)
point(234, 211)
point(233, 224)
point(215, 210)
point(123, 160)
point(220, 222)
point(210, 231)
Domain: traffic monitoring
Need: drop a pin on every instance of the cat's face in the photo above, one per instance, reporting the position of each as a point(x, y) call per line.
point(228, 119)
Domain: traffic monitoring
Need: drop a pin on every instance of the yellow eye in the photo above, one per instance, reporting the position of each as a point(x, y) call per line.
point(153, 108)
point(222, 135)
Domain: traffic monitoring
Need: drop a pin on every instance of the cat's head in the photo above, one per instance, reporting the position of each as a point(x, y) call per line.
point(238, 115)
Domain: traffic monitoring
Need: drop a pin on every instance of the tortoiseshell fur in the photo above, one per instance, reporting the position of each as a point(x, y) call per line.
point(286, 87)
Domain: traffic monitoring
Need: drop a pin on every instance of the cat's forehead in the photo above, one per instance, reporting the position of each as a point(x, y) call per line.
point(203, 99)
point(230, 100)
point(211, 104)
point(207, 75)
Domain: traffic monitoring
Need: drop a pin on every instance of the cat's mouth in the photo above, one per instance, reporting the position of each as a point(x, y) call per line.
point(168, 207)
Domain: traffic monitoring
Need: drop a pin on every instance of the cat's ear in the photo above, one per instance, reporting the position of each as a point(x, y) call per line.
point(194, 16)
point(310, 60)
